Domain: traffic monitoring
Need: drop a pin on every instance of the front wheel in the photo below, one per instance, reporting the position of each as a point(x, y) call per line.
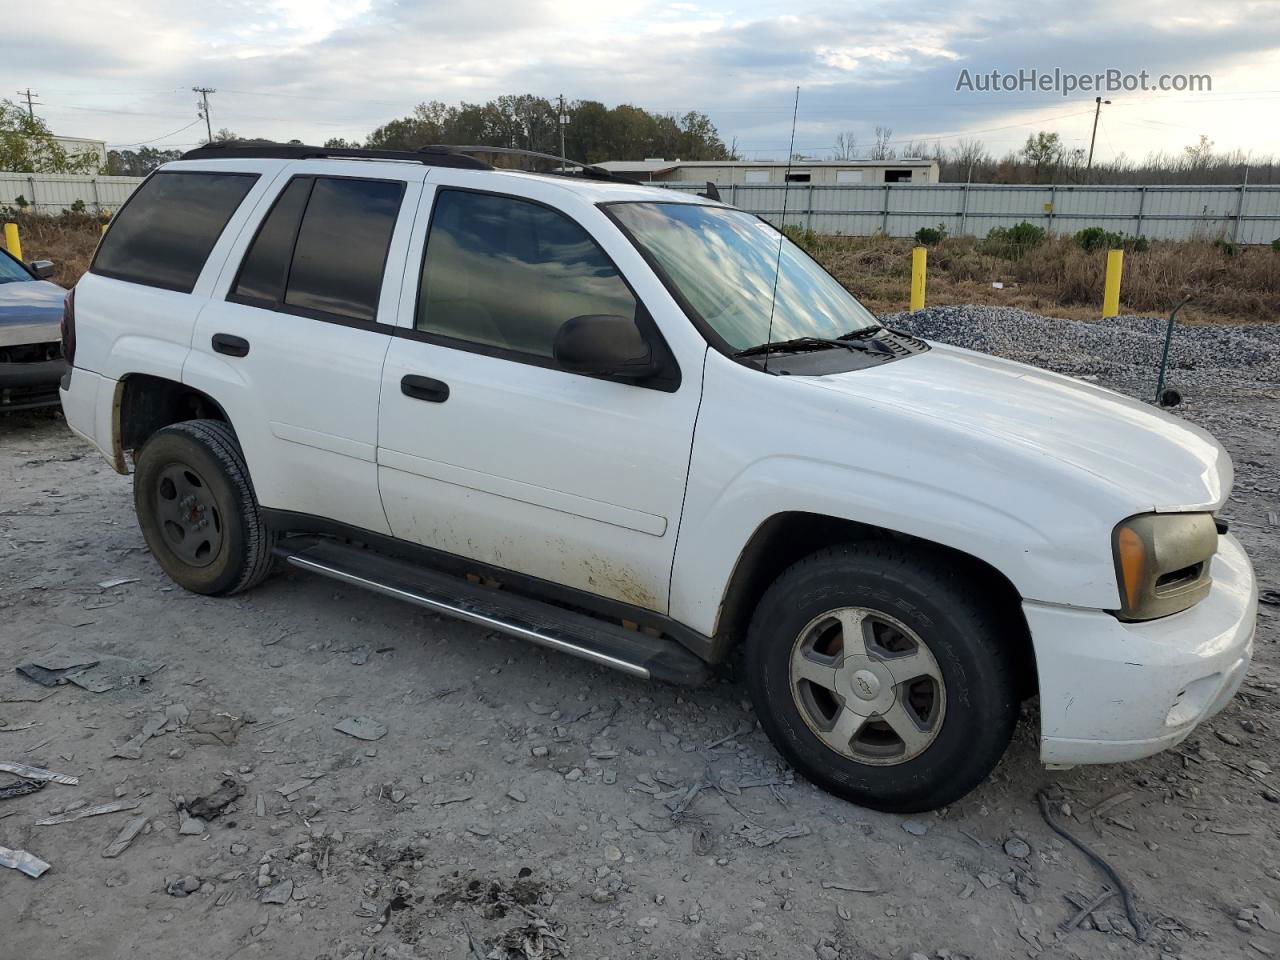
point(877, 672)
point(197, 509)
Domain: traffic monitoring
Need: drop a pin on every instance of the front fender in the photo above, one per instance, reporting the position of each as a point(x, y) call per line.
point(771, 449)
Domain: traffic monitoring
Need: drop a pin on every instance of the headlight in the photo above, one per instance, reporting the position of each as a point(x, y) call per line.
point(1162, 562)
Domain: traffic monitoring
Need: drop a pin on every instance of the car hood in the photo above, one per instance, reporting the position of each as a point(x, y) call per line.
point(30, 301)
point(30, 312)
point(1163, 462)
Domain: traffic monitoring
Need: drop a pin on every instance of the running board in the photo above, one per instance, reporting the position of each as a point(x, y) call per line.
point(577, 634)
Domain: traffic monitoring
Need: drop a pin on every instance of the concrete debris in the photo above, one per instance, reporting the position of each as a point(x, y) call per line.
point(132, 749)
point(23, 862)
point(191, 826)
point(917, 828)
point(1016, 848)
point(362, 728)
point(116, 582)
point(125, 837)
point(179, 886)
point(116, 806)
point(759, 836)
point(37, 773)
point(282, 892)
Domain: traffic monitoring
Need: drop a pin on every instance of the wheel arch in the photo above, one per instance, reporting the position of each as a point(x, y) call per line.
point(145, 403)
point(786, 537)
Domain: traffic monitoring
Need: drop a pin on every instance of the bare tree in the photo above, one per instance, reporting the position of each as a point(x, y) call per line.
point(881, 150)
point(846, 147)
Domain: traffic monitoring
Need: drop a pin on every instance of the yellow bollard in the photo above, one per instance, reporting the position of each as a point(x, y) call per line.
point(1111, 293)
point(919, 257)
point(11, 241)
point(104, 228)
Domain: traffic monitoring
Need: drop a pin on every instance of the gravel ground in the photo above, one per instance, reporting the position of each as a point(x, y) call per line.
point(1125, 351)
point(519, 804)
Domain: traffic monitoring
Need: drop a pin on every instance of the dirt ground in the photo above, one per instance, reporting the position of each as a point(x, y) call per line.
point(524, 804)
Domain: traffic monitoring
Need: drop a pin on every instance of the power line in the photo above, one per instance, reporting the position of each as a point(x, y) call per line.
point(166, 136)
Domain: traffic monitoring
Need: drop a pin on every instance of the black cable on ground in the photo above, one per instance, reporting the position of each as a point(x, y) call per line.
point(1126, 894)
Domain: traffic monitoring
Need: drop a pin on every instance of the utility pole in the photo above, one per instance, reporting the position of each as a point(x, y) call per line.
point(31, 101)
point(1096, 111)
point(564, 122)
point(204, 108)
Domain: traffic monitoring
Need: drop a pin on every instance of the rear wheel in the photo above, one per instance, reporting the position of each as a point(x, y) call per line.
point(880, 676)
point(197, 510)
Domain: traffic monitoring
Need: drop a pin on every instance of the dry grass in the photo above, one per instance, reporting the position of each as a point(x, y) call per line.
point(1056, 277)
point(1241, 284)
point(68, 240)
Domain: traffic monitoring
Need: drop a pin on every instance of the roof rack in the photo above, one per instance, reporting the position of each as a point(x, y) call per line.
point(251, 150)
point(586, 170)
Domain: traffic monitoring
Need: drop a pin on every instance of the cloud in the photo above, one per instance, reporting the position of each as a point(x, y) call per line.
point(311, 69)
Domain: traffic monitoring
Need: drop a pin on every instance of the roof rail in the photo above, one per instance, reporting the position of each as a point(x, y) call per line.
point(255, 150)
point(581, 169)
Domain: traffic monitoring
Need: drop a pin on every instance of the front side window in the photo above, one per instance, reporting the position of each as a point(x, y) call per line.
point(724, 262)
point(163, 235)
point(323, 248)
point(506, 273)
point(11, 271)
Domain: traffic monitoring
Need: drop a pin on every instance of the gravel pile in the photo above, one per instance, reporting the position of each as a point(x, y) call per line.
point(1123, 350)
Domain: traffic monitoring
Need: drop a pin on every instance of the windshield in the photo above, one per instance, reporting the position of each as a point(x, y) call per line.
point(11, 270)
point(723, 263)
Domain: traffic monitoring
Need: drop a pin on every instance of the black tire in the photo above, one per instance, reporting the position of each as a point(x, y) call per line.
point(923, 591)
point(238, 554)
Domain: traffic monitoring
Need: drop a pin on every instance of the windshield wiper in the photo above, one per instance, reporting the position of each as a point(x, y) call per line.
point(861, 334)
point(804, 343)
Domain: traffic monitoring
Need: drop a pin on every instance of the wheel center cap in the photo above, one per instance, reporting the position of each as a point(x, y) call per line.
point(865, 685)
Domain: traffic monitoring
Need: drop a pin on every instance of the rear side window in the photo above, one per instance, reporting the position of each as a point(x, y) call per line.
point(322, 249)
point(163, 235)
point(506, 273)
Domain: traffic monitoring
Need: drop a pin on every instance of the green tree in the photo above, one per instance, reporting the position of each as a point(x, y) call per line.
point(1043, 151)
point(27, 145)
point(138, 163)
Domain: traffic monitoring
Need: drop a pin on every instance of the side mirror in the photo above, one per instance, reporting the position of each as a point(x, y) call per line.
point(604, 346)
point(43, 269)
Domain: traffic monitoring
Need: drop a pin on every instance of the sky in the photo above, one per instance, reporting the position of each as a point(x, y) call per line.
point(314, 69)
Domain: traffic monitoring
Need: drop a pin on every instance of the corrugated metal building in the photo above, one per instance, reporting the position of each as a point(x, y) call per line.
point(820, 173)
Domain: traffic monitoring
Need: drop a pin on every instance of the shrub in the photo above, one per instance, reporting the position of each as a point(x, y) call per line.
point(77, 206)
point(1013, 242)
point(1091, 239)
point(802, 237)
point(1275, 244)
point(1226, 247)
point(931, 236)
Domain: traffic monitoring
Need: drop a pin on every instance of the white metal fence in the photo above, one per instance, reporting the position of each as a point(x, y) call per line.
point(1243, 214)
point(54, 193)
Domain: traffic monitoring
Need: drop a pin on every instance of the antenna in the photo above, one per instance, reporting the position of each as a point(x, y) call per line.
point(777, 263)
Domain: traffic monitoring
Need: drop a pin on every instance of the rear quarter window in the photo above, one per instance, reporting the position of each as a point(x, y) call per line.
point(163, 235)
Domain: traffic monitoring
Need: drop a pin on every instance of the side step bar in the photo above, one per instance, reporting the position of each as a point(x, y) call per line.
point(577, 634)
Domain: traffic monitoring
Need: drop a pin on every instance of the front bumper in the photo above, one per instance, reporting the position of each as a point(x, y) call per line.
point(24, 386)
point(1113, 691)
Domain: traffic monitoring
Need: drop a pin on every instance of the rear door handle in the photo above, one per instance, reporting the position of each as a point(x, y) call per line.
point(424, 388)
point(230, 345)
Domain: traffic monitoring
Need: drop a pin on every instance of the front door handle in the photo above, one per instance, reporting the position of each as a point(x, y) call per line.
point(424, 388)
point(230, 345)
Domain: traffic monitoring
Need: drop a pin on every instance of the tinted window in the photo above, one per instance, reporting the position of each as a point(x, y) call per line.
point(11, 270)
point(163, 235)
point(342, 247)
point(266, 266)
point(507, 273)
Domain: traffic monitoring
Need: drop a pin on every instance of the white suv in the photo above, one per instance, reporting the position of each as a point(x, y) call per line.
point(643, 428)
